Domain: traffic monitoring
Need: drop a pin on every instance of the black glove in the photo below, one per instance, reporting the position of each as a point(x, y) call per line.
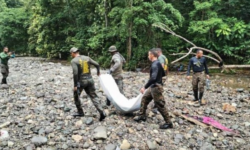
point(109, 72)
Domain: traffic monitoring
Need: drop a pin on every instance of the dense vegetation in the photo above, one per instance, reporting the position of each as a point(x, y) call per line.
point(49, 27)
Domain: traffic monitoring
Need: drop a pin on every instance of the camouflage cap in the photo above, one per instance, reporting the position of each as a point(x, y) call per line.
point(112, 48)
point(73, 50)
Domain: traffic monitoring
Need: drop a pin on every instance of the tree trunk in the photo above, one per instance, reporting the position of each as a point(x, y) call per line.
point(129, 43)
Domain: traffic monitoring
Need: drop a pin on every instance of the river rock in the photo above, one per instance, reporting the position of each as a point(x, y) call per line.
point(39, 140)
point(77, 138)
point(110, 147)
point(125, 145)
point(100, 133)
point(152, 145)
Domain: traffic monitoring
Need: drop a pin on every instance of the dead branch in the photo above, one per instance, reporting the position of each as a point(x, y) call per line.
point(175, 54)
point(190, 50)
point(168, 30)
point(191, 120)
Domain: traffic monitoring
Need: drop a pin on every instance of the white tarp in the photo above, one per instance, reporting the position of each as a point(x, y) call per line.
point(120, 102)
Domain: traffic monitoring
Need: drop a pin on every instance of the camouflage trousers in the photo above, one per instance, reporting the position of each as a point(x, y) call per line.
point(119, 83)
point(89, 87)
point(198, 81)
point(4, 71)
point(156, 94)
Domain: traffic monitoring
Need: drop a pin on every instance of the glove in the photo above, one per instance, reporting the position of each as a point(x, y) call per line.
point(109, 72)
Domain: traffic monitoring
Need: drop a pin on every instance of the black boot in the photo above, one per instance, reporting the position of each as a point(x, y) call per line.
point(196, 95)
point(102, 116)
point(200, 97)
point(80, 113)
point(4, 81)
point(140, 118)
point(108, 102)
point(166, 126)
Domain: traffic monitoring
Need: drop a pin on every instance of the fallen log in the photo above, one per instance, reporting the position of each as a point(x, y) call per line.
point(190, 119)
point(231, 66)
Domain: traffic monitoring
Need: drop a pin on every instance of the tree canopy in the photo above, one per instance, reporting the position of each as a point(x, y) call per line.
point(49, 27)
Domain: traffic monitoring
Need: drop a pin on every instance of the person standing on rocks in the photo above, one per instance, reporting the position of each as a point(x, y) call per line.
point(5, 56)
point(163, 60)
point(198, 64)
point(117, 62)
point(154, 90)
point(83, 80)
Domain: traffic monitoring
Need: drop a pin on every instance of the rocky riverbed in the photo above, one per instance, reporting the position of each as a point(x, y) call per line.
point(36, 111)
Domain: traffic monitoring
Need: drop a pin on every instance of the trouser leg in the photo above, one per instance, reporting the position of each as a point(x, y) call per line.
point(119, 83)
point(78, 101)
point(90, 90)
point(160, 102)
point(146, 99)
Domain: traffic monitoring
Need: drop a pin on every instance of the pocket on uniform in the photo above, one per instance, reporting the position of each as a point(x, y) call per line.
point(84, 83)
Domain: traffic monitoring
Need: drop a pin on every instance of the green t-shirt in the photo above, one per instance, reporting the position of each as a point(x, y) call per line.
point(163, 60)
point(4, 58)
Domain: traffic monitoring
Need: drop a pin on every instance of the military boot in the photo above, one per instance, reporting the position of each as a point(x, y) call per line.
point(166, 125)
point(200, 97)
point(140, 118)
point(196, 95)
point(80, 113)
point(4, 81)
point(102, 116)
point(107, 102)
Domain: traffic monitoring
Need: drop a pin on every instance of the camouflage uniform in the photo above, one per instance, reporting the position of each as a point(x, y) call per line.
point(4, 66)
point(156, 94)
point(89, 87)
point(83, 81)
point(198, 81)
point(117, 62)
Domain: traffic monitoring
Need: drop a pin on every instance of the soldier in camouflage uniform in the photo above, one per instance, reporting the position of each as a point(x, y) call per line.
point(198, 64)
point(154, 90)
point(117, 62)
point(83, 80)
point(4, 57)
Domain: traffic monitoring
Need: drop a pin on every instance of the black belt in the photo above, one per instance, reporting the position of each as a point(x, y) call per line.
point(86, 77)
point(198, 72)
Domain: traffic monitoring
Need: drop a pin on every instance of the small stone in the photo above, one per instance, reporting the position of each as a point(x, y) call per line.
point(100, 133)
point(156, 131)
point(215, 134)
point(65, 146)
point(4, 135)
point(207, 146)
point(89, 121)
point(240, 90)
point(247, 124)
point(78, 123)
point(131, 131)
point(110, 147)
point(125, 145)
point(151, 145)
point(239, 140)
point(220, 116)
point(10, 144)
point(77, 138)
point(86, 145)
point(39, 140)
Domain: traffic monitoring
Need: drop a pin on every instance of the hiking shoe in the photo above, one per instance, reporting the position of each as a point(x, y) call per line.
point(108, 102)
point(140, 118)
point(102, 116)
point(78, 115)
point(166, 126)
